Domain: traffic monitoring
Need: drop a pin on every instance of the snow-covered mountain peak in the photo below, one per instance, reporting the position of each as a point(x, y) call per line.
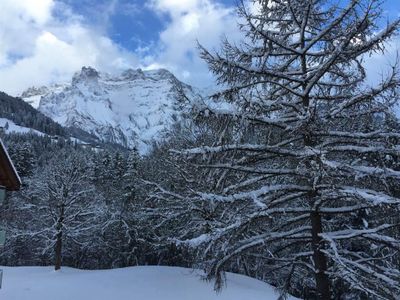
point(86, 75)
point(161, 74)
point(131, 74)
point(133, 108)
point(35, 91)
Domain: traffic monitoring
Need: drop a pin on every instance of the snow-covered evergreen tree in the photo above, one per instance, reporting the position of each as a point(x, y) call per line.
point(24, 158)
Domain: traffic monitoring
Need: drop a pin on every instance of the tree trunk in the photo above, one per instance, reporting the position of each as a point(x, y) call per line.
point(58, 246)
point(322, 280)
point(58, 249)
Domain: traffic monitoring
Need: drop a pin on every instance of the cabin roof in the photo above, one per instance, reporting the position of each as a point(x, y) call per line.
point(8, 174)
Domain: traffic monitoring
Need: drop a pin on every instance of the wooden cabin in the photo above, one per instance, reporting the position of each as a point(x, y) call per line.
point(9, 178)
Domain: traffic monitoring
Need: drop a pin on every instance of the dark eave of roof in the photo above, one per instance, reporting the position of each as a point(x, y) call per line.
point(8, 175)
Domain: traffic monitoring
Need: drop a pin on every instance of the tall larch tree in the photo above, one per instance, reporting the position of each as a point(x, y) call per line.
point(307, 180)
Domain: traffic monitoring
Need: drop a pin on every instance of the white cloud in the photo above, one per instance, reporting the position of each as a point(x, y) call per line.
point(20, 20)
point(38, 46)
point(44, 41)
point(191, 20)
point(207, 21)
point(177, 6)
point(38, 11)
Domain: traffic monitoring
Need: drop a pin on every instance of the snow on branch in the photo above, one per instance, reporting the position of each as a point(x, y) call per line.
point(372, 196)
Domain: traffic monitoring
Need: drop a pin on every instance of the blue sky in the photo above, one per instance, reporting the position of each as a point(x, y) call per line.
point(142, 25)
point(134, 27)
point(46, 41)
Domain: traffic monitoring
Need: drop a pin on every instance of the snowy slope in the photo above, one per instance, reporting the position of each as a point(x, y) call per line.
point(132, 108)
point(138, 283)
point(13, 128)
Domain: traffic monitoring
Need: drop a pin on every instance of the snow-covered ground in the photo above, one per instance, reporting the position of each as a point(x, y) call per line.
point(136, 283)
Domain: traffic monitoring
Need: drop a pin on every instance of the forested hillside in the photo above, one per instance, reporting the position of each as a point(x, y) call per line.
point(22, 114)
